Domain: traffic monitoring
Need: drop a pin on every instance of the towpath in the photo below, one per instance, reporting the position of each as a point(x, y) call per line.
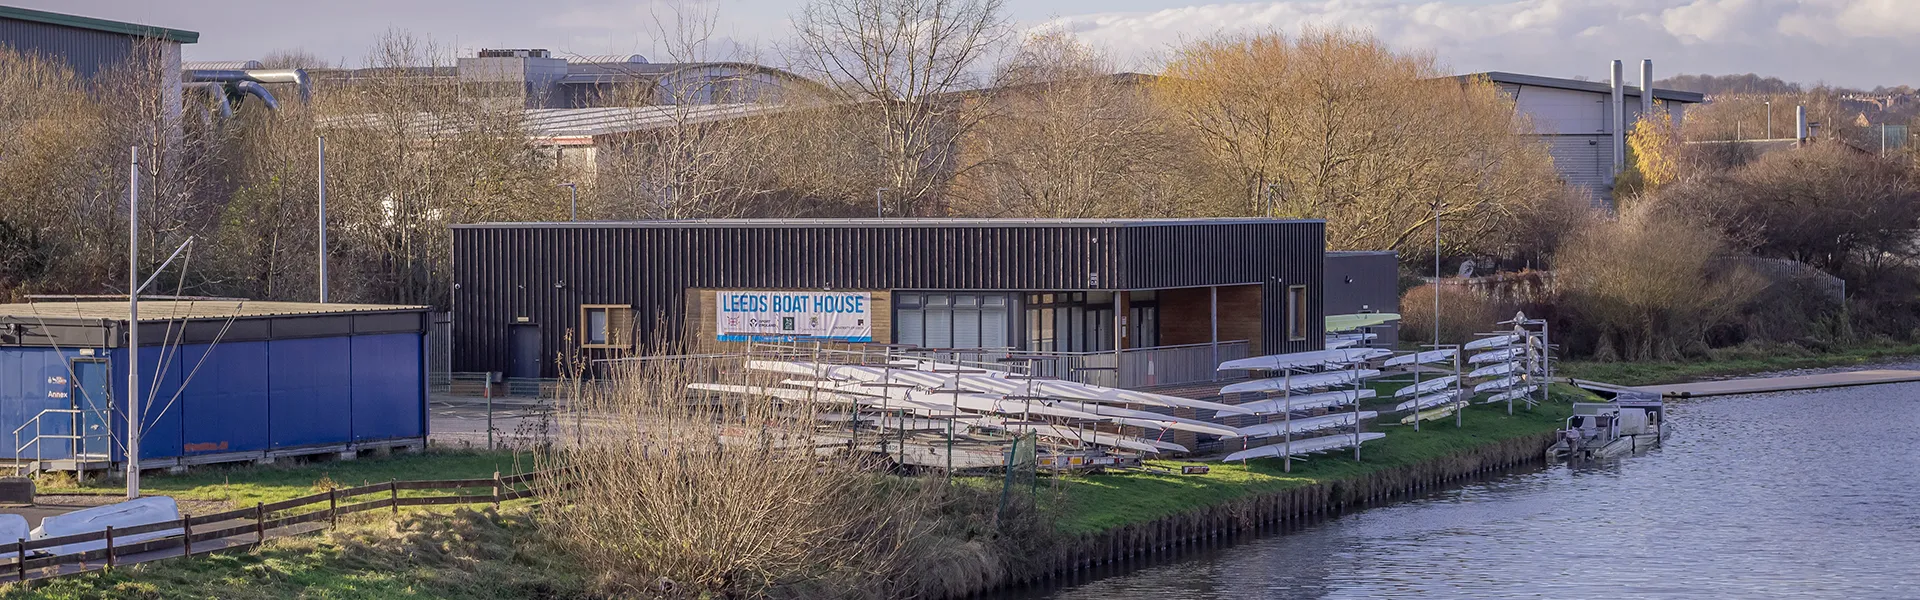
point(1756, 385)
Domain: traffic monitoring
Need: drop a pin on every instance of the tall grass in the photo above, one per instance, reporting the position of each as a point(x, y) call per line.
point(682, 493)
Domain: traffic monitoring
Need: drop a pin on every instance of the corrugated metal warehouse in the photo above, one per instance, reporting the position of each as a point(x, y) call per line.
point(1576, 120)
point(221, 380)
point(523, 290)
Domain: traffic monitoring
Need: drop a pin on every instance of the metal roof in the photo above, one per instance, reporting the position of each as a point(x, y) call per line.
point(219, 65)
point(79, 22)
point(576, 122)
point(875, 223)
point(1584, 86)
point(178, 310)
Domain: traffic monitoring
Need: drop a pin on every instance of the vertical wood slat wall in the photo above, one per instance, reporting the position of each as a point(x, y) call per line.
point(545, 271)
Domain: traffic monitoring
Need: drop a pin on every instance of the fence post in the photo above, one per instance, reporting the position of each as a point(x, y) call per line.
point(496, 490)
point(333, 509)
point(109, 547)
point(22, 547)
point(186, 539)
point(393, 495)
point(259, 522)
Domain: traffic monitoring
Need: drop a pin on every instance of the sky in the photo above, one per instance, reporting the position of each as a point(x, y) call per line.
point(1860, 43)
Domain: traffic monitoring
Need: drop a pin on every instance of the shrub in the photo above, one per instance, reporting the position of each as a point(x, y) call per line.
point(1463, 313)
point(685, 493)
point(1641, 287)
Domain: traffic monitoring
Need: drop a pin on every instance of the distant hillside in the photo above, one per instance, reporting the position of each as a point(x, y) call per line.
point(1714, 85)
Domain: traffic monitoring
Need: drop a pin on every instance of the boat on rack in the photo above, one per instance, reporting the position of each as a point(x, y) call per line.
point(1302, 382)
point(1309, 401)
point(1303, 425)
point(1306, 446)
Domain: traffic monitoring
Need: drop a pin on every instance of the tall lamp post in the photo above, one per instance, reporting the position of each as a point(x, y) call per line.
point(321, 182)
point(573, 201)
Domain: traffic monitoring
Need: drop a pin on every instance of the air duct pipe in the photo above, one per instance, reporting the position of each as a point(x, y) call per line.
point(298, 77)
point(216, 94)
point(1800, 129)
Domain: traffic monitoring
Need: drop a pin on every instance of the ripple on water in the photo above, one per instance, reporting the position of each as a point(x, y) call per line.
point(1788, 495)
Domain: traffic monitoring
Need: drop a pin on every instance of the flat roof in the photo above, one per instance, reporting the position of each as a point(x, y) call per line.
point(178, 310)
point(1332, 253)
point(1597, 87)
point(874, 223)
point(120, 27)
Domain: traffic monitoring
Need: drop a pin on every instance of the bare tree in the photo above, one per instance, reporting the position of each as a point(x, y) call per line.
point(896, 58)
point(1061, 135)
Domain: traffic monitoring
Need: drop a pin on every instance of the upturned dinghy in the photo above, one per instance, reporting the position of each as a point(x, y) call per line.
point(1306, 446)
point(1301, 382)
point(1423, 387)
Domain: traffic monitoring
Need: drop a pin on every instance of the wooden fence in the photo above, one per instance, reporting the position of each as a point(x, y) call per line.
point(28, 560)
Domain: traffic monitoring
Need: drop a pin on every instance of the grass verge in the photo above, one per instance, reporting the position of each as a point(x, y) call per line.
point(1097, 502)
point(244, 485)
point(1734, 361)
point(479, 554)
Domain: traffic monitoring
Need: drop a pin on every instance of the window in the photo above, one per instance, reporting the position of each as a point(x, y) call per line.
point(951, 320)
point(606, 326)
point(1297, 312)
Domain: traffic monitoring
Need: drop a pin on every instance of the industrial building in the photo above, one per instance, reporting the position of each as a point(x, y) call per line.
point(1585, 123)
point(221, 381)
point(1121, 294)
point(92, 47)
point(1365, 282)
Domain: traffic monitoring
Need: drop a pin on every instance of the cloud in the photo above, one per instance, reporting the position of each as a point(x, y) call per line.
point(1845, 42)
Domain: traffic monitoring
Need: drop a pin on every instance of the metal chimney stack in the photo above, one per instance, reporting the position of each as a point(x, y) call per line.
point(1800, 123)
point(1617, 112)
point(1646, 88)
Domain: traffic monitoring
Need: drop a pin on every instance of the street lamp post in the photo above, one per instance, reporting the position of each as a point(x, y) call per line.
point(321, 182)
point(1769, 119)
point(573, 201)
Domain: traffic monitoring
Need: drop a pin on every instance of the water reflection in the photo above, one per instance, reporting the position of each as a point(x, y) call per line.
point(1792, 495)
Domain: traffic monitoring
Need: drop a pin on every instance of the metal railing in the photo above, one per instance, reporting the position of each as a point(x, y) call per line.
point(78, 438)
point(247, 527)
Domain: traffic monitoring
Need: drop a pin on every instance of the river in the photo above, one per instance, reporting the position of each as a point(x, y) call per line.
point(1788, 495)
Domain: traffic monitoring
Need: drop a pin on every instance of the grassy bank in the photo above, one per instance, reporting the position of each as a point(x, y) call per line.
point(481, 555)
point(244, 485)
point(1097, 502)
point(1735, 361)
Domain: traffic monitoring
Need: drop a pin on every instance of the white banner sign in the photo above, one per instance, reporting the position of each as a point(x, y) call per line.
point(794, 316)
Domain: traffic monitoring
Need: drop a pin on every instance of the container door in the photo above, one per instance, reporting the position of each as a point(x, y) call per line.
point(523, 346)
point(91, 380)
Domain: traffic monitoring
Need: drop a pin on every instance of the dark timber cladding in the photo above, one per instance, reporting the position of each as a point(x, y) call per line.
point(541, 273)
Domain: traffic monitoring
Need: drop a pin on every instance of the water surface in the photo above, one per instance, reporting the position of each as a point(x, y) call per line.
point(1788, 495)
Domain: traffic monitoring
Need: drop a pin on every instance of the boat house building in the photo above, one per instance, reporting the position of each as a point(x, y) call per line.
point(1123, 302)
